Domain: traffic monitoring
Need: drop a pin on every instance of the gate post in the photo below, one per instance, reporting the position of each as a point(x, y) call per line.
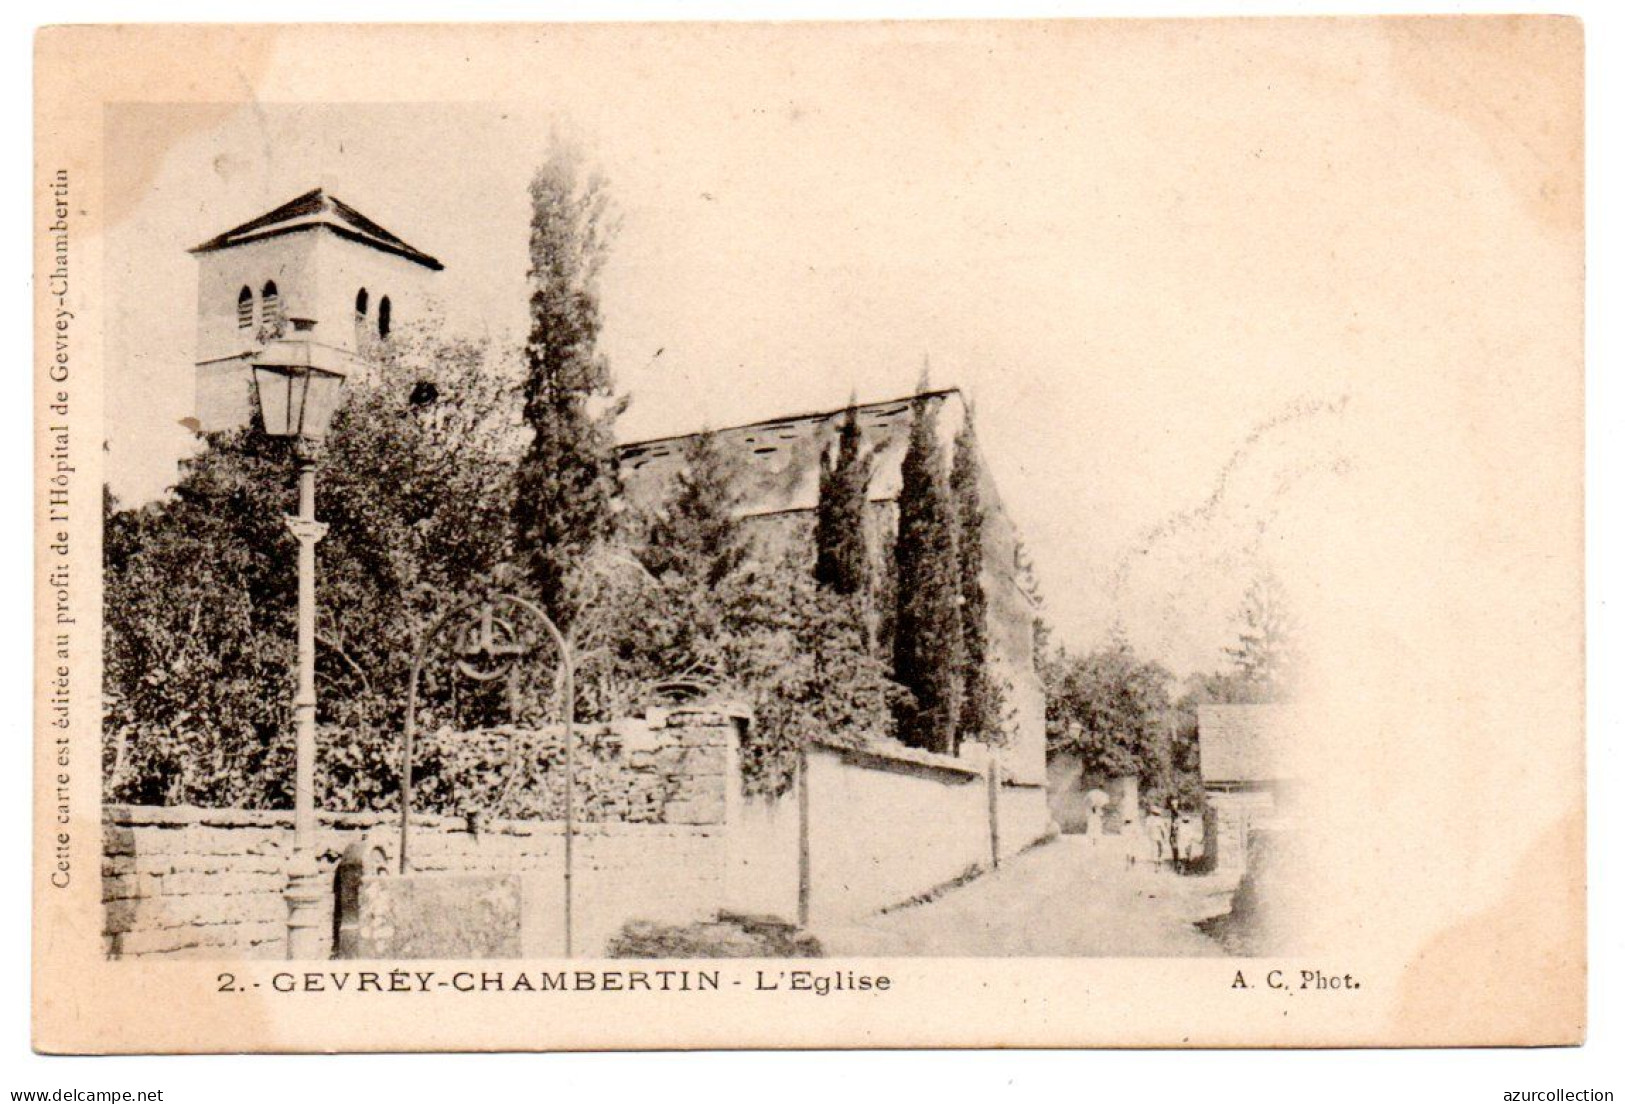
point(993, 783)
point(804, 841)
point(347, 901)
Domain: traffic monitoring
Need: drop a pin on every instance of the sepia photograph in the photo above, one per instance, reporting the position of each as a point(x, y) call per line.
point(538, 671)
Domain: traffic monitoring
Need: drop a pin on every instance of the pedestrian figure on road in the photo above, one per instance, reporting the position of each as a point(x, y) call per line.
point(1198, 841)
point(1156, 831)
point(1187, 841)
point(1136, 845)
point(1094, 827)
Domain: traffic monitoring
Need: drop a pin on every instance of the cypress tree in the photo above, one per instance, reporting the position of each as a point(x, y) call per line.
point(566, 480)
point(696, 533)
point(928, 648)
point(978, 719)
point(843, 494)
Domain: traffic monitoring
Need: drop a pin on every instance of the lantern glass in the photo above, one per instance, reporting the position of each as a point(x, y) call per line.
point(281, 395)
point(320, 400)
point(296, 401)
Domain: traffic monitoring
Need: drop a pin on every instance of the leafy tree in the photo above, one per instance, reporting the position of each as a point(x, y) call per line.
point(1266, 655)
point(800, 656)
point(841, 533)
point(981, 714)
point(566, 482)
point(765, 633)
point(1221, 688)
point(200, 586)
point(649, 607)
point(928, 648)
point(683, 601)
point(198, 634)
point(1112, 709)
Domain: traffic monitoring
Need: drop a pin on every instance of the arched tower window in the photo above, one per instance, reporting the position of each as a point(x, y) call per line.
point(271, 306)
point(361, 303)
point(245, 309)
point(383, 317)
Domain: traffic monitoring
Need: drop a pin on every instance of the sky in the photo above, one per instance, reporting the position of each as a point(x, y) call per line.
point(1167, 263)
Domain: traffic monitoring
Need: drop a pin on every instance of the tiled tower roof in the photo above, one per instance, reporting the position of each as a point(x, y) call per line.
point(314, 210)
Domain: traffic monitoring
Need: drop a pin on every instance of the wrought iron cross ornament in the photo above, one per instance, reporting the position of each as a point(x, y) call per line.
point(491, 647)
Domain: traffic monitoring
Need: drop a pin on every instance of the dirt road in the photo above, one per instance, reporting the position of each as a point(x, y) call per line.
point(1061, 899)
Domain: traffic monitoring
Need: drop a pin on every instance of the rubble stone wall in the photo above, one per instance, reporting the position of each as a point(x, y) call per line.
point(208, 883)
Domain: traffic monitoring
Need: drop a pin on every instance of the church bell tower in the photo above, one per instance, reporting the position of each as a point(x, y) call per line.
point(314, 269)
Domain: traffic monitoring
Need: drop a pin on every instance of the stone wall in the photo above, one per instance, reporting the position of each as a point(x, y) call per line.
point(1272, 899)
point(763, 875)
point(208, 883)
point(199, 883)
point(666, 768)
point(1233, 817)
point(1024, 817)
point(883, 828)
point(667, 872)
point(202, 883)
point(862, 830)
point(868, 829)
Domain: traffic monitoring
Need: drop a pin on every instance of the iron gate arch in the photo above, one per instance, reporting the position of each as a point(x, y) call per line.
point(495, 641)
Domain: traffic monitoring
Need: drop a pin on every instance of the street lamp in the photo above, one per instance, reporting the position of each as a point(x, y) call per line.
point(298, 382)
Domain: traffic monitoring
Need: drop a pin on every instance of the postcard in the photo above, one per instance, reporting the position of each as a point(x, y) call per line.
point(809, 535)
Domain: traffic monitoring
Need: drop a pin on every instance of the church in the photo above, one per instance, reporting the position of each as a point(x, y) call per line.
point(318, 273)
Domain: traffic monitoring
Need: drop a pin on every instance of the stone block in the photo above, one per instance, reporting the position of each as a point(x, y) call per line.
point(120, 915)
point(117, 841)
point(154, 941)
point(440, 916)
point(147, 863)
point(241, 934)
point(130, 885)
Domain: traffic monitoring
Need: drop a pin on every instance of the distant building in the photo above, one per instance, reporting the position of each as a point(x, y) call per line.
point(1245, 750)
point(777, 464)
point(314, 269)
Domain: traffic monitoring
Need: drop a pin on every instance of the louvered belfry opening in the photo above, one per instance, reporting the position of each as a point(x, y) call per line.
point(271, 305)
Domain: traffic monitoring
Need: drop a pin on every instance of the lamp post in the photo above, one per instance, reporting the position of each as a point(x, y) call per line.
point(298, 382)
